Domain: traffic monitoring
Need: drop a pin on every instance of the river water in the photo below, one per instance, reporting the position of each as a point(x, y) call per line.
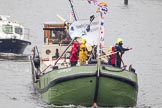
point(139, 25)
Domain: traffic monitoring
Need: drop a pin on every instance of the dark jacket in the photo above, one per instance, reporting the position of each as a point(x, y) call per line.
point(120, 51)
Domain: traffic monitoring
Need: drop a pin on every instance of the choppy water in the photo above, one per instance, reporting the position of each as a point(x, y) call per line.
point(139, 24)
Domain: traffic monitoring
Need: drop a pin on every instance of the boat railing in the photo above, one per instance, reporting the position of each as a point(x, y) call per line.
point(114, 70)
point(27, 33)
point(36, 57)
point(64, 51)
point(35, 71)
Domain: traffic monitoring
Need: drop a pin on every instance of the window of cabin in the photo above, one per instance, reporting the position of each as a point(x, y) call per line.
point(19, 30)
point(58, 33)
point(53, 34)
point(8, 29)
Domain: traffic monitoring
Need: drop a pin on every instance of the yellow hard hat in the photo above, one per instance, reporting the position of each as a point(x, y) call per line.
point(84, 40)
point(119, 40)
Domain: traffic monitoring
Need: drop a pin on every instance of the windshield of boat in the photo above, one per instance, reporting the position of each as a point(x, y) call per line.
point(18, 30)
point(60, 36)
point(8, 29)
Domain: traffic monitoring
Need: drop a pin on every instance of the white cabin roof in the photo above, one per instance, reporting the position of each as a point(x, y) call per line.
point(53, 22)
point(4, 17)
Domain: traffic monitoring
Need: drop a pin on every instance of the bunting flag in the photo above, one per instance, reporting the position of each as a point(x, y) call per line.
point(90, 1)
point(102, 10)
point(102, 6)
point(101, 26)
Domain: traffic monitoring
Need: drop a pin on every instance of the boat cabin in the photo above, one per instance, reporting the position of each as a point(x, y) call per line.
point(56, 40)
point(10, 29)
point(56, 34)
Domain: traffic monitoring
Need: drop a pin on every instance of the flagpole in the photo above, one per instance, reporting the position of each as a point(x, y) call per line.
point(102, 7)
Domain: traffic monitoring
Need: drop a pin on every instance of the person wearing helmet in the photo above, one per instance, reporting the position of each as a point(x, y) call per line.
point(120, 51)
point(83, 52)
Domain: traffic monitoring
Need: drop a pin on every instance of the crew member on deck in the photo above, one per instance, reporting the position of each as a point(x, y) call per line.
point(120, 51)
point(111, 58)
point(83, 52)
point(74, 54)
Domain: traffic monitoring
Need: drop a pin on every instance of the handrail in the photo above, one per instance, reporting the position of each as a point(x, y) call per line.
point(64, 51)
point(104, 68)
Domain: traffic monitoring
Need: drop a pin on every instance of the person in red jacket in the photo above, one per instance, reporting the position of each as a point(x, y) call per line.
point(116, 59)
point(74, 54)
point(111, 59)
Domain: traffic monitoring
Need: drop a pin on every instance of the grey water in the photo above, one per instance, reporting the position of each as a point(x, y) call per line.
point(139, 24)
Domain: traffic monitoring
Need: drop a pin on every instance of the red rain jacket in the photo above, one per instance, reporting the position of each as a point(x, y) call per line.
point(74, 55)
point(113, 56)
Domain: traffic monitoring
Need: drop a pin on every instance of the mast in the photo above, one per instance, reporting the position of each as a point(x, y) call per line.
point(73, 10)
point(102, 9)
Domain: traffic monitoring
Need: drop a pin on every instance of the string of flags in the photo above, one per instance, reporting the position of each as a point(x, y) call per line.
point(102, 9)
point(102, 6)
point(90, 1)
